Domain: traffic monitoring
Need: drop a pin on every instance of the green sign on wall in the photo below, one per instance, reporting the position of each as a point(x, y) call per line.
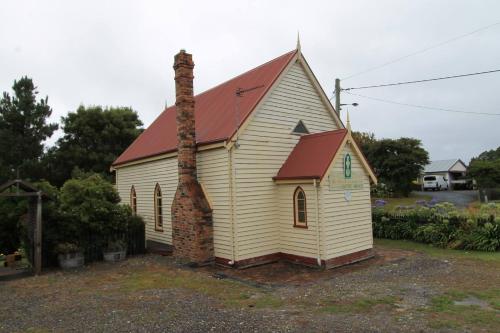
point(347, 166)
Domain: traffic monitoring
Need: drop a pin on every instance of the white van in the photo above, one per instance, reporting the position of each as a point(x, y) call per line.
point(435, 182)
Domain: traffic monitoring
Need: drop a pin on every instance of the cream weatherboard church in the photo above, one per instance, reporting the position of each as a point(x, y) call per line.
point(257, 169)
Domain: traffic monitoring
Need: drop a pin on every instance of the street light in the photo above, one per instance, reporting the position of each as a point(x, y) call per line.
point(353, 104)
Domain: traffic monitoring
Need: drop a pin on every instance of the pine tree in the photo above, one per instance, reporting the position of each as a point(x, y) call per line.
point(23, 129)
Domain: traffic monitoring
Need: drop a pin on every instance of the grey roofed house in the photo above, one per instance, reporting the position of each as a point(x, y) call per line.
point(452, 170)
point(452, 165)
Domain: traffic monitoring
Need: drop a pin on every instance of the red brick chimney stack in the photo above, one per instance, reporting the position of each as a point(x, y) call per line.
point(192, 226)
point(186, 136)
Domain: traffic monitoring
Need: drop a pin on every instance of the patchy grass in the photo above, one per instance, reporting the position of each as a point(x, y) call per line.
point(37, 330)
point(361, 305)
point(438, 252)
point(231, 293)
point(444, 312)
point(394, 203)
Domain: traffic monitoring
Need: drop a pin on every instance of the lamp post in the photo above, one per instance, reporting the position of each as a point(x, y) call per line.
point(353, 104)
point(338, 105)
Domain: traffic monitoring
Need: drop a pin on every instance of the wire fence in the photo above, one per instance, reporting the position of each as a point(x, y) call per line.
point(93, 245)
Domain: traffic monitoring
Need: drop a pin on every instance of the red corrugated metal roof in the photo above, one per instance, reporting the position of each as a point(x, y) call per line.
point(312, 156)
point(215, 112)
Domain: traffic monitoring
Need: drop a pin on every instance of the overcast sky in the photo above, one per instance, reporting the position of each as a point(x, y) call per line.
point(121, 53)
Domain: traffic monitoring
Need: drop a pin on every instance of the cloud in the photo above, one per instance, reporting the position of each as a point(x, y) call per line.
point(121, 53)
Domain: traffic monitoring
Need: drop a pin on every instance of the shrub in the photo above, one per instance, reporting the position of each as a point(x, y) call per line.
point(485, 238)
point(10, 211)
point(90, 205)
point(52, 222)
point(116, 245)
point(66, 248)
point(85, 213)
point(442, 226)
point(93, 217)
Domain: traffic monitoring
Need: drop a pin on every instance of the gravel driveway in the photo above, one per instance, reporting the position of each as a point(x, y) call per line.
point(394, 292)
point(459, 198)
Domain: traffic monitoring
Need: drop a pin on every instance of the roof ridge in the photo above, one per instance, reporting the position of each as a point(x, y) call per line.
point(308, 136)
point(237, 76)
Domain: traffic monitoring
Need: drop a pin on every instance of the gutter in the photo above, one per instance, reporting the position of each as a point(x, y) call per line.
point(231, 174)
point(316, 185)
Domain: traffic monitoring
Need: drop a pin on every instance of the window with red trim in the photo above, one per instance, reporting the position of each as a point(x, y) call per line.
point(158, 208)
point(300, 208)
point(133, 200)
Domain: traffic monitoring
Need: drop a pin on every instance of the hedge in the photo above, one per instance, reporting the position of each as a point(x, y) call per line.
point(442, 226)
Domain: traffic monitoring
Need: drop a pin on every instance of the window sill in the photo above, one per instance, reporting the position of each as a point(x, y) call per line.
point(158, 230)
point(300, 226)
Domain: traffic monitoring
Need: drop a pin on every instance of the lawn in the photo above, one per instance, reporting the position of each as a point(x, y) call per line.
point(394, 203)
point(438, 252)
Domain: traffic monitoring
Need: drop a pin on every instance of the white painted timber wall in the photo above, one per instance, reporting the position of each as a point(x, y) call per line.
point(212, 173)
point(346, 225)
point(458, 167)
point(144, 178)
point(293, 240)
point(264, 146)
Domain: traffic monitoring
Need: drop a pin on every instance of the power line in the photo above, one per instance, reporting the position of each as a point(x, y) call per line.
point(422, 50)
point(425, 80)
point(423, 106)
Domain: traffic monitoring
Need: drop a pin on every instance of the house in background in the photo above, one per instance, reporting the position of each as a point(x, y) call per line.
point(257, 169)
point(453, 171)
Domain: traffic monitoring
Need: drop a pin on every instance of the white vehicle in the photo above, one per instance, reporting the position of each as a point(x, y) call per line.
point(435, 183)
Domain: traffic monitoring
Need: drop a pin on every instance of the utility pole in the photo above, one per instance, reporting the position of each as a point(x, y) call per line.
point(337, 96)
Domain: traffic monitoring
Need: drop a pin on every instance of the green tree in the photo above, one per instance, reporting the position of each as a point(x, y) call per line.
point(23, 129)
point(489, 155)
point(396, 162)
point(93, 138)
point(364, 140)
point(11, 209)
point(485, 169)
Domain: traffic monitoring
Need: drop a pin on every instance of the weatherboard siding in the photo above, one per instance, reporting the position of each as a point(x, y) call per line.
point(346, 225)
point(294, 240)
point(263, 147)
point(212, 173)
point(213, 170)
point(144, 178)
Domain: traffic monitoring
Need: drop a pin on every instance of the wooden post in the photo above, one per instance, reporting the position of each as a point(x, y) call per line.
point(38, 236)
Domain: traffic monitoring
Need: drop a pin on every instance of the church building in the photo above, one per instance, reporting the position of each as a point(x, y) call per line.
point(257, 169)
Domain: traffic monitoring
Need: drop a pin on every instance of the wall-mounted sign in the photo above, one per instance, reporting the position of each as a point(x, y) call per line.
point(347, 195)
point(337, 181)
point(347, 166)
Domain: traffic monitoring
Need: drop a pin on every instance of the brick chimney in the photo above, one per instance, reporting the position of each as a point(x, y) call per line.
point(192, 225)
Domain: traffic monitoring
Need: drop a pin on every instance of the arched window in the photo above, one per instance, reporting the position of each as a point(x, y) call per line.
point(300, 208)
point(133, 200)
point(158, 209)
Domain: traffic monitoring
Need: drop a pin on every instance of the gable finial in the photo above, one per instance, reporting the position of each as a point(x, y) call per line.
point(348, 122)
point(298, 41)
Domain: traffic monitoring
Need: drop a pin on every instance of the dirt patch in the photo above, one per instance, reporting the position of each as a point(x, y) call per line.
point(286, 274)
point(474, 301)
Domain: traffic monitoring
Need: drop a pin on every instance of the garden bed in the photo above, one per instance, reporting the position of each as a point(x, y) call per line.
point(442, 225)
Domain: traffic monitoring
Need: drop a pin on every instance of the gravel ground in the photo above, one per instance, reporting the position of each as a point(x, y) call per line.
point(153, 294)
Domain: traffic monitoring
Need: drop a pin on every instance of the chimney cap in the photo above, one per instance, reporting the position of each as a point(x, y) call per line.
point(183, 51)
